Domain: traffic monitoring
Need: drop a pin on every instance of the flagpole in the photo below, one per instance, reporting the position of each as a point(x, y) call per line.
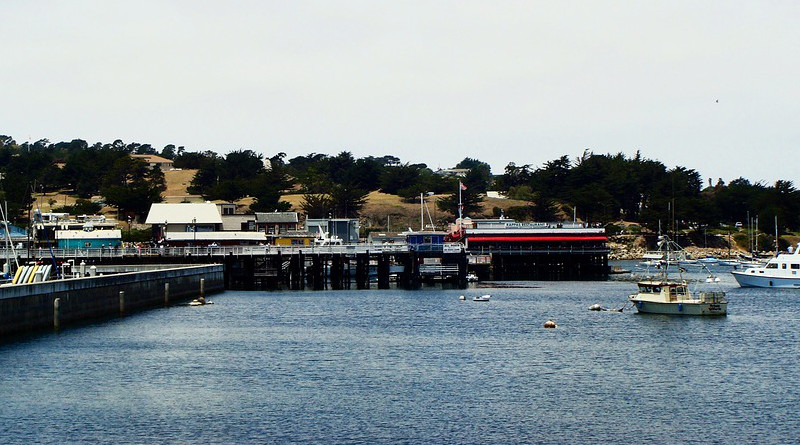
point(460, 186)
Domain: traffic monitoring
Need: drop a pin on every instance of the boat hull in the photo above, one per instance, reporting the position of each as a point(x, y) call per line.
point(682, 308)
point(761, 280)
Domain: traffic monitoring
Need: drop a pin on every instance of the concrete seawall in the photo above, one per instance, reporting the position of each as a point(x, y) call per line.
point(50, 304)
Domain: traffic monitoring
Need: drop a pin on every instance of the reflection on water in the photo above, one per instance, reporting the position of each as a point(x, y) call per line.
point(413, 367)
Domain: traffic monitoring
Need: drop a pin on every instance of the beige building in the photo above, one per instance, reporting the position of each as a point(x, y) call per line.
point(155, 161)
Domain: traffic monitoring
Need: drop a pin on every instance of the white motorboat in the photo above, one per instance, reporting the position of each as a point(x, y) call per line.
point(665, 295)
point(471, 277)
point(708, 260)
point(782, 271)
point(482, 298)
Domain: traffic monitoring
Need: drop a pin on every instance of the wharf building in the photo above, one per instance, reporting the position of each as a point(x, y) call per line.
point(64, 231)
point(504, 249)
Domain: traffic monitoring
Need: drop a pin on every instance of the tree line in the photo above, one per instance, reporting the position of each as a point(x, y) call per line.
point(601, 188)
point(612, 187)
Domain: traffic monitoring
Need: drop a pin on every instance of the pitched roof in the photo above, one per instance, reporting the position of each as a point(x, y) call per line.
point(277, 217)
point(184, 213)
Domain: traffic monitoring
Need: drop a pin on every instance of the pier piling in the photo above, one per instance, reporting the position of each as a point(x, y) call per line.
point(166, 294)
point(56, 314)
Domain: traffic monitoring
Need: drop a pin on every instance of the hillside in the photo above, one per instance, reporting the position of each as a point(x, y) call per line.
point(379, 209)
point(382, 208)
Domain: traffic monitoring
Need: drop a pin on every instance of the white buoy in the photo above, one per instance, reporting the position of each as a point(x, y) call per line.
point(462, 298)
point(550, 324)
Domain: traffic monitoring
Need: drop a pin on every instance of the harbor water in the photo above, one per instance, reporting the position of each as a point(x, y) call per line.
point(395, 366)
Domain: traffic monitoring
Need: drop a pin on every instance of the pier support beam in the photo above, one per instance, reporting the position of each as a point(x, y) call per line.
point(383, 271)
point(362, 271)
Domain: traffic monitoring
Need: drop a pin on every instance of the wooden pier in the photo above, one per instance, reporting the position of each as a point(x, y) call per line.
point(359, 266)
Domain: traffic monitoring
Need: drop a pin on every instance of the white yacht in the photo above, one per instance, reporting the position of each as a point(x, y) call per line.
point(782, 271)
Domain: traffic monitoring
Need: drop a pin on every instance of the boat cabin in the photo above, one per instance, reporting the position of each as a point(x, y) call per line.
point(670, 291)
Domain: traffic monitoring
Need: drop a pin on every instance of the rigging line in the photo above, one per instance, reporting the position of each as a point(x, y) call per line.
point(8, 235)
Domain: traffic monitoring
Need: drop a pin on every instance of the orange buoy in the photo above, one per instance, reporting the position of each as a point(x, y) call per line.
point(550, 324)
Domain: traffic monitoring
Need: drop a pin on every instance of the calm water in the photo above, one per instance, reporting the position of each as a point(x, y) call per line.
point(413, 367)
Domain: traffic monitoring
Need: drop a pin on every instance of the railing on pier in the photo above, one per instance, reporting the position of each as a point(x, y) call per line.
point(215, 251)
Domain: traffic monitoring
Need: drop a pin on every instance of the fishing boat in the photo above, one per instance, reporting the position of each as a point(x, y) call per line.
point(668, 253)
point(781, 271)
point(663, 294)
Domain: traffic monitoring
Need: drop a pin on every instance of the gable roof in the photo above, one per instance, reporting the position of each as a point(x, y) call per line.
point(184, 213)
point(277, 217)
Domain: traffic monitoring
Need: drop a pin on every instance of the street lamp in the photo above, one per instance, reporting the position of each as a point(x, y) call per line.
point(194, 231)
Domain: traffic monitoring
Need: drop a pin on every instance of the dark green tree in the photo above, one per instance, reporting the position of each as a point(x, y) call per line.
point(317, 206)
point(131, 186)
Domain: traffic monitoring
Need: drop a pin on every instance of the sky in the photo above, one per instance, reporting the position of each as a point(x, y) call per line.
point(712, 86)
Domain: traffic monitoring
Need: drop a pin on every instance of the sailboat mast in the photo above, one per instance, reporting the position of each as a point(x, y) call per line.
point(421, 215)
point(776, 235)
point(9, 242)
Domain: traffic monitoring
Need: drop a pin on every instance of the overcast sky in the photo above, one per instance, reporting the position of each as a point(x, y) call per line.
point(712, 86)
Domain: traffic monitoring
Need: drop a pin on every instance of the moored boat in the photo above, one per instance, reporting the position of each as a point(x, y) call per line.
point(674, 298)
point(670, 296)
point(782, 271)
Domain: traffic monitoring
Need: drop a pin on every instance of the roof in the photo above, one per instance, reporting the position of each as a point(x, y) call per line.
point(92, 234)
point(277, 217)
point(153, 158)
point(184, 213)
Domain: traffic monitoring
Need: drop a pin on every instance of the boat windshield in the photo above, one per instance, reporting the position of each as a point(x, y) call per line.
point(647, 289)
point(772, 265)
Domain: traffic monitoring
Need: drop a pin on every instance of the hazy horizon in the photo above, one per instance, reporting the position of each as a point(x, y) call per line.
point(709, 86)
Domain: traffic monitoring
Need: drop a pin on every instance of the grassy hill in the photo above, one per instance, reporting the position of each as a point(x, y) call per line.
point(381, 208)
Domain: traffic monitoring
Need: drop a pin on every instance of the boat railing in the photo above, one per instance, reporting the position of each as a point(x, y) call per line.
point(712, 296)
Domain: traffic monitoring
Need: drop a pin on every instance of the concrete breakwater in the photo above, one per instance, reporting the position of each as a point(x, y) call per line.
point(54, 304)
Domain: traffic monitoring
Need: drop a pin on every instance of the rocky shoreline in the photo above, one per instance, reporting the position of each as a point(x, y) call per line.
point(628, 247)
